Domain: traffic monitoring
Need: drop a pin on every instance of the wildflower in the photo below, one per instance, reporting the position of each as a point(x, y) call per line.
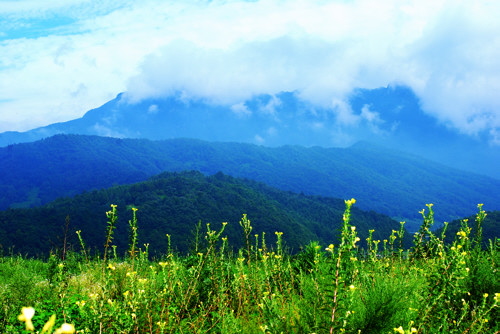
point(65, 329)
point(163, 264)
point(26, 315)
point(399, 330)
point(413, 330)
point(330, 248)
point(110, 266)
point(350, 201)
point(80, 303)
point(352, 287)
point(49, 324)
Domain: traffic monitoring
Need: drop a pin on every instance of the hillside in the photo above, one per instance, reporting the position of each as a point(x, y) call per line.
point(385, 181)
point(174, 203)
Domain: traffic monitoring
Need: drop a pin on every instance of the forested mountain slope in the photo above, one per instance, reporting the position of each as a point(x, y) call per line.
point(385, 181)
point(174, 203)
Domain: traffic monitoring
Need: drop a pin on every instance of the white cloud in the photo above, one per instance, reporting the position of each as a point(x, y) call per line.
point(229, 50)
point(241, 109)
point(153, 109)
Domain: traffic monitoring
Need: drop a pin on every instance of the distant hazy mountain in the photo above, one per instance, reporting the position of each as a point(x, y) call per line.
point(389, 116)
point(174, 203)
point(389, 182)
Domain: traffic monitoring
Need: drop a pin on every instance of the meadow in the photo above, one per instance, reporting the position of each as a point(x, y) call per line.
point(348, 286)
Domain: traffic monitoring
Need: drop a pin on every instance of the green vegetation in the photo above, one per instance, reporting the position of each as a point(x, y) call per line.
point(175, 203)
point(354, 285)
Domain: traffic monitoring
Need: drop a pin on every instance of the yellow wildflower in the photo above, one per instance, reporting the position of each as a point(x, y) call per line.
point(26, 315)
point(65, 329)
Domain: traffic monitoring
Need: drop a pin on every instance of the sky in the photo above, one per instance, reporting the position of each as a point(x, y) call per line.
point(60, 58)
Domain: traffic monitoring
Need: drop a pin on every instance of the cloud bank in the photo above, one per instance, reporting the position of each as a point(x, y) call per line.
point(227, 51)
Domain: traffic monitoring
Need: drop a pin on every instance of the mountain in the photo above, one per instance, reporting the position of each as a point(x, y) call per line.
point(174, 203)
point(389, 116)
point(385, 181)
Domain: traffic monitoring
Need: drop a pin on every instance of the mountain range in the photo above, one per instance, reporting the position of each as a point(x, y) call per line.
point(389, 116)
point(386, 181)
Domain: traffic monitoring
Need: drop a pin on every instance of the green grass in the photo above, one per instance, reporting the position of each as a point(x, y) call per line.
point(352, 286)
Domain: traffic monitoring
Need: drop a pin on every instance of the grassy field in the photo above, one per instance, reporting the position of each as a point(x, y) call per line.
point(349, 286)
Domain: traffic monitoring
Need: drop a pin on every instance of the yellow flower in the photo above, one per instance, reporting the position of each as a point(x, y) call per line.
point(26, 315)
point(350, 201)
point(330, 248)
point(399, 330)
point(65, 329)
point(49, 324)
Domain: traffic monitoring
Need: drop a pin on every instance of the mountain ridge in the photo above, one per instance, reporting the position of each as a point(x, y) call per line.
point(390, 116)
point(382, 180)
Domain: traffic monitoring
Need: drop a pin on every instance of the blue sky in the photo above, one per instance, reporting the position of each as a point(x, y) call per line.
point(60, 58)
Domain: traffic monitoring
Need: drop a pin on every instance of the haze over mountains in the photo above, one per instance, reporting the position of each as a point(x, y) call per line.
point(389, 116)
